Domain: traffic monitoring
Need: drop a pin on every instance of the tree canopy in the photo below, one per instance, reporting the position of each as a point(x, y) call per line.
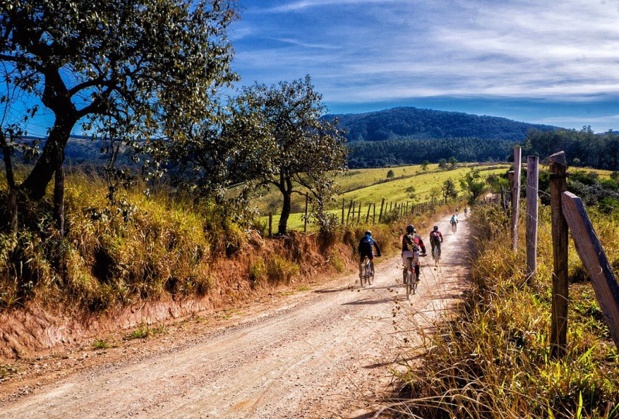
point(125, 70)
point(295, 149)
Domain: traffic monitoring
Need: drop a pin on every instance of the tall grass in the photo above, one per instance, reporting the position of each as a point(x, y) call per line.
point(492, 359)
point(141, 247)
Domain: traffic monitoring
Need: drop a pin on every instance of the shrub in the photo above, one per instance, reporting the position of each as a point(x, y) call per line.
point(280, 270)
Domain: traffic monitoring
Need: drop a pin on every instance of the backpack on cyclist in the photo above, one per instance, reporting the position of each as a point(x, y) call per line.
point(409, 242)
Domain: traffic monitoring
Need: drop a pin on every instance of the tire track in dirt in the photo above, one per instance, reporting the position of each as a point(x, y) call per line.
point(330, 353)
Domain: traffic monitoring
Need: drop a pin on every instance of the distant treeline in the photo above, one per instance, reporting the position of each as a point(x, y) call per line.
point(415, 151)
point(582, 148)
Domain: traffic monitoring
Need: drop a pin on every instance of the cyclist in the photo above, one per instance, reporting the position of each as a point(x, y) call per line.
point(466, 211)
point(419, 242)
point(454, 222)
point(410, 252)
point(365, 249)
point(436, 238)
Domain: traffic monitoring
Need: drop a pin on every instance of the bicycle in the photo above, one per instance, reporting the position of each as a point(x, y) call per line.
point(368, 273)
point(454, 226)
point(410, 283)
point(436, 253)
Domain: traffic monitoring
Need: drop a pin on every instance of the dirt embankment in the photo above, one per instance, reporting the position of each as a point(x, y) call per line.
point(328, 351)
point(37, 330)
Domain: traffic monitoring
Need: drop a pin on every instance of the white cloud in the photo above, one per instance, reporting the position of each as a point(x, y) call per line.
point(362, 51)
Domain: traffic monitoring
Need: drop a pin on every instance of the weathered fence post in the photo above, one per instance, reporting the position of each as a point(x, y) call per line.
point(343, 206)
point(593, 257)
point(270, 224)
point(367, 216)
point(532, 216)
point(508, 195)
point(516, 196)
point(359, 214)
point(350, 208)
point(374, 213)
point(560, 290)
point(380, 215)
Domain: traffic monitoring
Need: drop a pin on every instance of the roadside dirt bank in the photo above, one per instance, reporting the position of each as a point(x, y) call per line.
point(330, 351)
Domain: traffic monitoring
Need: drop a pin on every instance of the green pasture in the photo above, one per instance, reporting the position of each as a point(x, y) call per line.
point(372, 185)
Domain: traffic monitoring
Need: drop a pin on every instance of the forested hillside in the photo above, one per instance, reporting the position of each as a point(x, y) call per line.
point(415, 123)
point(415, 151)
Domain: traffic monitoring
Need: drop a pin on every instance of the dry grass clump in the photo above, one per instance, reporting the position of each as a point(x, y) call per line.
point(493, 358)
point(137, 248)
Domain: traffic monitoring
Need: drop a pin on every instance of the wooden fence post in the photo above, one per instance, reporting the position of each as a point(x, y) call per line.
point(359, 214)
point(560, 289)
point(516, 197)
point(343, 206)
point(593, 257)
point(350, 208)
point(374, 213)
point(367, 216)
point(532, 216)
point(270, 224)
point(380, 215)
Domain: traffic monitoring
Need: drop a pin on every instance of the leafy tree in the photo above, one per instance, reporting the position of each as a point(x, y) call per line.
point(453, 162)
point(412, 192)
point(449, 190)
point(442, 163)
point(435, 193)
point(424, 165)
point(473, 185)
point(390, 174)
point(295, 149)
point(125, 70)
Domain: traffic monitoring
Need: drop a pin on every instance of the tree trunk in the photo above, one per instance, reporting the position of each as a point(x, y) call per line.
point(12, 210)
point(51, 159)
point(286, 208)
point(58, 99)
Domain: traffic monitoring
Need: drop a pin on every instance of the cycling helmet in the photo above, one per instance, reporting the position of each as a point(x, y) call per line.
point(435, 228)
point(368, 233)
point(410, 228)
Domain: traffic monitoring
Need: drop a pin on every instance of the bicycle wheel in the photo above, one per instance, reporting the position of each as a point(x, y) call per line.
point(436, 254)
point(414, 283)
point(367, 272)
point(370, 274)
point(409, 283)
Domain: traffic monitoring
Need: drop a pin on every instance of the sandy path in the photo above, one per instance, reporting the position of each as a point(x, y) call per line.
point(330, 353)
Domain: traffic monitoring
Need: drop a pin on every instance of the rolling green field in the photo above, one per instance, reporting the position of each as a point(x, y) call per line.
point(367, 186)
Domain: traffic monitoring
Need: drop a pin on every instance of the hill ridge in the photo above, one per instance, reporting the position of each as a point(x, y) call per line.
point(409, 122)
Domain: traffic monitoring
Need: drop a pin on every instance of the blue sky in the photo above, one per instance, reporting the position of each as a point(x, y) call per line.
point(550, 62)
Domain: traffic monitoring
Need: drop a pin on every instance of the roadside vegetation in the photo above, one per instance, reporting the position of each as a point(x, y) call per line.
point(157, 246)
point(492, 358)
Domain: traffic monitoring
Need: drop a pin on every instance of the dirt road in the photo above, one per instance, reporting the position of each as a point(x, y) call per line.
point(326, 353)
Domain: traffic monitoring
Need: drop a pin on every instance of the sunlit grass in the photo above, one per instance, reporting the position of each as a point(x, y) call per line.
point(371, 186)
point(493, 359)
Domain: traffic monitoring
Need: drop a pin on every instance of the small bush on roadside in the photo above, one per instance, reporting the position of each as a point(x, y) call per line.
point(99, 344)
point(280, 270)
point(258, 272)
point(143, 332)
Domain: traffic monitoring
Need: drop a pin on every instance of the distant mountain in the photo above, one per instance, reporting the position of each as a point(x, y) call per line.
point(415, 123)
